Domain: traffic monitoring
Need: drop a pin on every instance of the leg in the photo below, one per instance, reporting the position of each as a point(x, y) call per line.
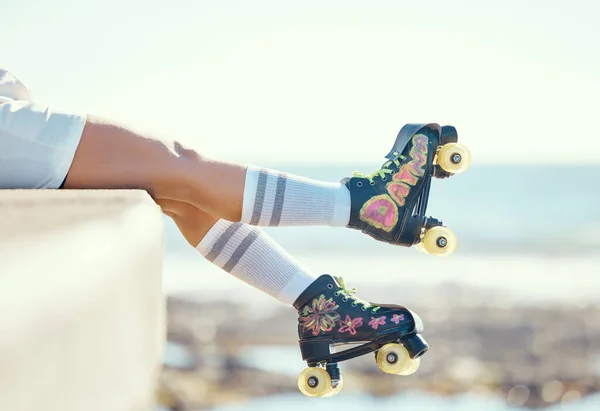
point(243, 251)
point(113, 156)
point(192, 222)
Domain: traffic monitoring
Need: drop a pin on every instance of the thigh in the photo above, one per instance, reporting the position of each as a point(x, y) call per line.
point(37, 144)
point(114, 156)
point(121, 157)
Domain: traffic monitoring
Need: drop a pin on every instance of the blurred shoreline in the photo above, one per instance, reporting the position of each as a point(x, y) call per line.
point(238, 352)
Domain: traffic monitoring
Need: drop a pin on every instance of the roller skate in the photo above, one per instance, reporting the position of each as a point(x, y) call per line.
point(390, 204)
point(331, 315)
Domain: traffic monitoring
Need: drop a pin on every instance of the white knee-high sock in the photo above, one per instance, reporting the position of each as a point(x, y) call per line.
point(273, 198)
point(248, 253)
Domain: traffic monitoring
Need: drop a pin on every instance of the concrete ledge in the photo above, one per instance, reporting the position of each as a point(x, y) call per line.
point(81, 304)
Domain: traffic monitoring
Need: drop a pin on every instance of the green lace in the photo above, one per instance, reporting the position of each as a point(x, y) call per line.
point(383, 170)
point(348, 294)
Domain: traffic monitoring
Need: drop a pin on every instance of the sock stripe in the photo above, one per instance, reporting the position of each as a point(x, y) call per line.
point(240, 250)
point(274, 198)
point(220, 244)
point(279, 197)
point(261, 189)
point(250, 255)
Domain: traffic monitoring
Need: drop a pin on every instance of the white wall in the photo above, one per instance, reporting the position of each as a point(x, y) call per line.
point(81, 304)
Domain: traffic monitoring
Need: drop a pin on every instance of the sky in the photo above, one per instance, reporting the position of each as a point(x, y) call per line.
point(321, 81)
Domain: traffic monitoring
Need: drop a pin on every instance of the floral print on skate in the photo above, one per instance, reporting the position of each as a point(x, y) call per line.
point(397, 318)
point(349, 325)
point(381, 212)
point(376, 322)
point(320, 316)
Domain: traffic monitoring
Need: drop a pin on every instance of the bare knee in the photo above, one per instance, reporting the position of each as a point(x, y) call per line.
point(192, 222)
point(174, 208)
point(206, 182)
point(187, 153)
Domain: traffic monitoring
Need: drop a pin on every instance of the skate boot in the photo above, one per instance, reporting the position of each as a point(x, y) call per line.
point(331, 315)
point(390, 204)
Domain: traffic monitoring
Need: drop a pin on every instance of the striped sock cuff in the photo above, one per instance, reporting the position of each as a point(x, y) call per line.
point(273, 198)
point(248, 253)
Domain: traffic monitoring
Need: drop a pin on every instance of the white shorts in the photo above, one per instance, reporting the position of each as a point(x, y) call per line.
point(37, 143)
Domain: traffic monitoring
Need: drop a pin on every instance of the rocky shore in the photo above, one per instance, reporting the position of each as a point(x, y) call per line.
point(531, 355)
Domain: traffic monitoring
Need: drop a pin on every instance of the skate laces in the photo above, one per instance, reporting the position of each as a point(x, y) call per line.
point(383, 171)
point(348, 294)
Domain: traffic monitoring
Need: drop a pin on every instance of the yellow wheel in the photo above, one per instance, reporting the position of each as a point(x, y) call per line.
point(420, 247)
point(393, 359)
point(332, 392)
point(454, 158)
point(412, 368)
point(315, 382)
point(440, 241)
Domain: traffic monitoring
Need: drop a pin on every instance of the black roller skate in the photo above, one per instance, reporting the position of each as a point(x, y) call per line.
point(390, 204)
point(331, 315)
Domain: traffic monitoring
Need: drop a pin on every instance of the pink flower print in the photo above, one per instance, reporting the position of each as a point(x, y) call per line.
point(376, 322)
point(397, 318)
point(320, 316)
point(349, 325)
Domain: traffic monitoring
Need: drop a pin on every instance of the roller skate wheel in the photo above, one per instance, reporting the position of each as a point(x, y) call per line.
point(333, 391)
point(393, 359)
point(439, 241)
point(412, 368)
point(421, 248)
point(454, 158)
point(315, 382)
